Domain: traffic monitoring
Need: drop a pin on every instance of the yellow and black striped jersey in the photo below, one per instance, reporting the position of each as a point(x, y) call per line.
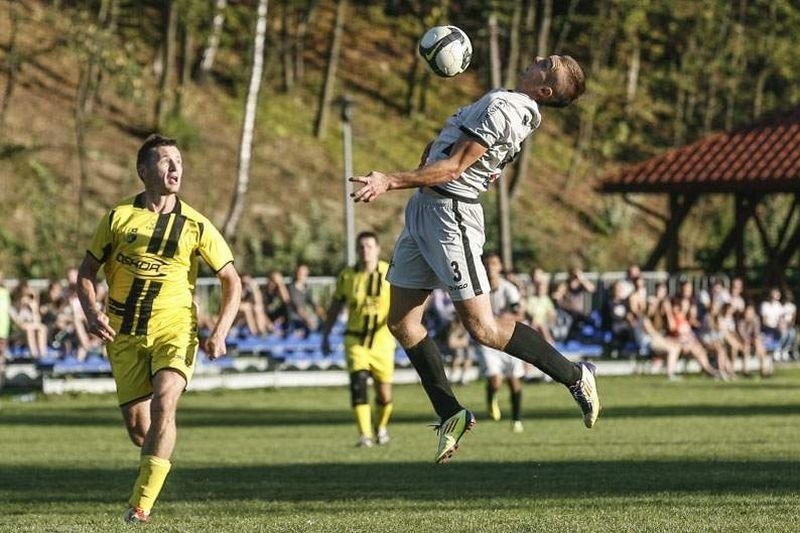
point(366, 295)
point(150, 261)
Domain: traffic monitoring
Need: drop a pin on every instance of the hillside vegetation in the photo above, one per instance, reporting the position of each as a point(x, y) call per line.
point(294, 205)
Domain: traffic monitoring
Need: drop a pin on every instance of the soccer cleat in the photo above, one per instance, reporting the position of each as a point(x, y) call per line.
point(135, 516)
point(365, 442)
point(585, 393)
point(516, 427)
point(382, 437)
point(450, 432)
point(494, 410)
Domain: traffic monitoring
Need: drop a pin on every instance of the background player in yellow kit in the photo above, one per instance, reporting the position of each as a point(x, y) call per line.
point(149, 246)
point(369, 346)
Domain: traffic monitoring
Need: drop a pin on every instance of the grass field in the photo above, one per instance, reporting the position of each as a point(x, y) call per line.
point(697, 455)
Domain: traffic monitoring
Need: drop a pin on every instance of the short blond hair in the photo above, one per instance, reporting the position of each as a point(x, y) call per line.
point(569, 85)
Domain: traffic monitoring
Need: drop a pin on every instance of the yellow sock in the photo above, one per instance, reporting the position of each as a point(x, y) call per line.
point(364, 418)
point(152, 474)
point(384, 413)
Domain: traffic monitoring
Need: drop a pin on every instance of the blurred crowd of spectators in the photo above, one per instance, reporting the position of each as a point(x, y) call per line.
point(639, 317)
point(633, 316)
point(40, 323)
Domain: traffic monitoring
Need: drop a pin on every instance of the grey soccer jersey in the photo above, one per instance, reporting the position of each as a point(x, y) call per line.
point(505, 298)
point(500, 121)
point(442, 241)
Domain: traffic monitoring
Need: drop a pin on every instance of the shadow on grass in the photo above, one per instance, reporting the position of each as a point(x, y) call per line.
point(409, 481)
point(189, 416)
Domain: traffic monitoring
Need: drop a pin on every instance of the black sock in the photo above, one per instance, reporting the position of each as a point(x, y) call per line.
point(516, 405)
point(427, 360)
point(489, 394)
point(529, 345)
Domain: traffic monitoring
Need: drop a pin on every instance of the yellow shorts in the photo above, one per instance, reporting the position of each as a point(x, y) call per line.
point(135, 359)
point(378, 360)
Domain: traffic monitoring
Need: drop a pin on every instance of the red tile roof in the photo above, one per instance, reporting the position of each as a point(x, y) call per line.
point(761, 157)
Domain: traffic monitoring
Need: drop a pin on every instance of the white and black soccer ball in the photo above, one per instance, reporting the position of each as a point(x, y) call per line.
point(446, 49)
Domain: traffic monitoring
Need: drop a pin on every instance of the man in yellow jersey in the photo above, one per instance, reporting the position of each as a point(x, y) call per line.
point(149, 246)
point(369, 346)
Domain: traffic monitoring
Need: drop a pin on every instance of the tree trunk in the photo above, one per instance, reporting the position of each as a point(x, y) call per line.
point(287, 60)
point(513, 66)
point(503, 207)
point(495, 68)
point(634, 65)
point(758, 94)
point(170, 10)
point(326, 96)
point(212, 44)
point(248, 124)
point(302, 29)
point(13, 64)
point(187, 47)
point(544, 28)
point(412, 79)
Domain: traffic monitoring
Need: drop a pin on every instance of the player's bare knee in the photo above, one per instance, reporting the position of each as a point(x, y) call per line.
point(137, 434)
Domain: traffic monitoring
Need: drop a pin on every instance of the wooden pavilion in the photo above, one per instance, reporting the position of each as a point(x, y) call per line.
point(749, 164)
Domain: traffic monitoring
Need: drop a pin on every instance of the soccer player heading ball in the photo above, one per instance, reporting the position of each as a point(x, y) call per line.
point(442, 241)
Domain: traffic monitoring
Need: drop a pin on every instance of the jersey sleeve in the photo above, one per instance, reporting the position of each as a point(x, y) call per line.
point(100, 247)
point(486, 125)
point(213, 248)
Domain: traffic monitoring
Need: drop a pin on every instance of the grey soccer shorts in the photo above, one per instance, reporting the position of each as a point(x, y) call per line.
point(441, 246)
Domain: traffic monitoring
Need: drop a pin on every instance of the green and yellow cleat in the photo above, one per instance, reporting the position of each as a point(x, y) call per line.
point(450, 432)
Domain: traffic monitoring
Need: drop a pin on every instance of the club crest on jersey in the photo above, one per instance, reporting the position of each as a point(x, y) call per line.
point(131, 235)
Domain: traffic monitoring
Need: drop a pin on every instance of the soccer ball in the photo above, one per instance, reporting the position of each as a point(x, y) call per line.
point(446, 49)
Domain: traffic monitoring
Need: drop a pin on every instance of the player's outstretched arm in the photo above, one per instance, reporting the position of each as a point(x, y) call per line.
point(97, 320)
point(228, 309)
point(465, 152)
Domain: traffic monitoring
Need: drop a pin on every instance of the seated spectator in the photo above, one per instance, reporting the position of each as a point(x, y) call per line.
point(304, 313)
point(73, 327)
point(450, 333)
point(737, 295)
point(618, 319)
point(727, 320)
point(26, 318)
point(772, 316)
point(276, 300)
point(660, 348)
point(713, 338)
point(251, 307)
point(789, 346)
point(637, 299)
point(459, 345)
point(680, 328)
point(629, 284)
point(539, 308)
point(750, 332)
point(574, 299)
point(563, 325)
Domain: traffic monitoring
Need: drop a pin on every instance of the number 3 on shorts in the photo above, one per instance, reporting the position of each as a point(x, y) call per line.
point(456, 271)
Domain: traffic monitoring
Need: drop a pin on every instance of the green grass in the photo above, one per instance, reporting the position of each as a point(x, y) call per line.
point(691, 456)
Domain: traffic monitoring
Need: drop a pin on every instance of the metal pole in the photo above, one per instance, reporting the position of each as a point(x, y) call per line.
point(349, 218)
